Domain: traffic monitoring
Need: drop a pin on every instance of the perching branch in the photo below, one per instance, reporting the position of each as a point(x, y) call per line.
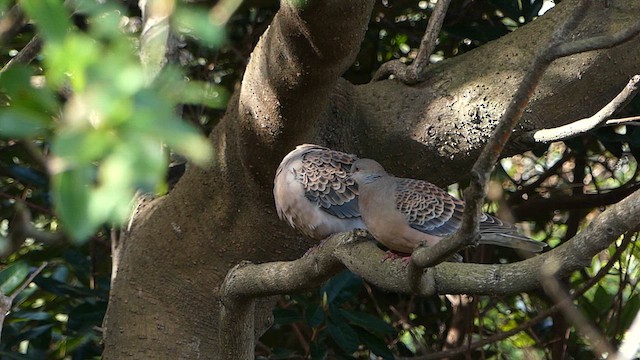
point(536, 319)
point(416, 72)
point(588, 124)
point(246, 282)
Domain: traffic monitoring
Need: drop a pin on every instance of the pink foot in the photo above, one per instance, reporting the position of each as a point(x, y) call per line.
point(389, 254)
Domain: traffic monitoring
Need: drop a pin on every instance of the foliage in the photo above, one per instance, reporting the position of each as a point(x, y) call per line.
point(86, 125)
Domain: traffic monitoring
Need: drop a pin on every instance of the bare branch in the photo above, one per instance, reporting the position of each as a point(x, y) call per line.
point(554, 289)
point(7, 301)
point(540, 205)
point(416, 72)
point(596, 42)
point(588, 124)
point(11, 23)
point(541, 316)
point(21, 228)
point(624, 121)
point(26, 55)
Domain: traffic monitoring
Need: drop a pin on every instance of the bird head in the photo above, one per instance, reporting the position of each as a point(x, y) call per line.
point(365, 171)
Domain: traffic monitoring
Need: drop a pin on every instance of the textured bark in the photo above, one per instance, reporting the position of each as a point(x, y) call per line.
point(164, 303)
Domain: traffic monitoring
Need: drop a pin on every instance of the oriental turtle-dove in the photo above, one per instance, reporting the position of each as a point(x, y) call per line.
point(313, 191)
point(401, 213)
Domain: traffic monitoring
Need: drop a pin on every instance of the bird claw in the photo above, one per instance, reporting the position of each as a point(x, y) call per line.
point(406, 259)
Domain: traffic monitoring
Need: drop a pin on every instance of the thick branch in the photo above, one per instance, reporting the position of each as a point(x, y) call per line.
point(247, 281)
point(364, 259)
point(303, 59)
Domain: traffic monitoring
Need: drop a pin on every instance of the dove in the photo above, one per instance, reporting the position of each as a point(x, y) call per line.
point(401, 213)
point(313, 191)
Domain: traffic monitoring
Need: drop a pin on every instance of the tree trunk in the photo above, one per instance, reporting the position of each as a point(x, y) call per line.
point(163, 301)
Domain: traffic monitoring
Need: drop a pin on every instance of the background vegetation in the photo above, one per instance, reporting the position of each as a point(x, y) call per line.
point(84, 126)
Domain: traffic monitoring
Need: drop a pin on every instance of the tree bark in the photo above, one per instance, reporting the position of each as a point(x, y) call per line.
point(164, 299)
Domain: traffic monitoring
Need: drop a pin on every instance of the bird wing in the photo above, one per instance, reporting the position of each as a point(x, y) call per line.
point(428, 208)
point(324, 176)
point(433, 211)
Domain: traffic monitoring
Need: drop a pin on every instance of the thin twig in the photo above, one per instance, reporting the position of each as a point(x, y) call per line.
point(528, 188)
point(28, 281)
point(539, 205)
point(27, 54)
point(11, 23)
point(430, 38)
point(21, 228)
point(624, 121)
point(7, 301)
point(591, 123)
point(416, 72)
point(554, 289)
point(596, 42)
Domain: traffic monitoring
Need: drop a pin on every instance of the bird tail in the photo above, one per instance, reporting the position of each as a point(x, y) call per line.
point(495, 232)
point(512, 241)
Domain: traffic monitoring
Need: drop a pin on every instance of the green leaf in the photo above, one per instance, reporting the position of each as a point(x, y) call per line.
point(21, 123)
point(51, 18)
point(60, 288)
point(62, 68)
point(602, 300)
point(18, 316)
point(13, 276)
point(87, 315)
point(184, 139)
point(71, 195)
point(36, 332)
point(286, 316)
point(344, 336)
point(367, 322)
point(376, 345)
point(83, 147)
point(341, 287)
point(319, 351)
point(314, 315)
point(204, 93)
point(14, 81)
point(629, 312)
point(197, 22)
